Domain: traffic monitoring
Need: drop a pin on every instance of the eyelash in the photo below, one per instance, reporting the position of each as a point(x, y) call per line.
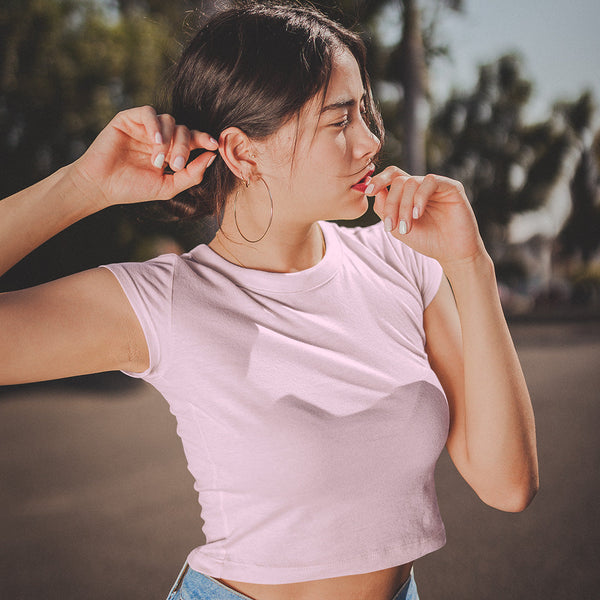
point(346, 121)
point(343, 123)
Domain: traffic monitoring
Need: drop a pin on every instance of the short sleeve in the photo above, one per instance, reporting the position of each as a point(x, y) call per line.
point(428, 275)
point(149, 289)
point(423, 272)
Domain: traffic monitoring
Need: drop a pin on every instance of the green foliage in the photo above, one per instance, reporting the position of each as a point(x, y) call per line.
point(66, 68)
point(581, 233)
point(356, 14)
point(479, 137)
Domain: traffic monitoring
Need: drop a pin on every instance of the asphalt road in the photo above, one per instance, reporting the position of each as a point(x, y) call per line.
point(96, 501)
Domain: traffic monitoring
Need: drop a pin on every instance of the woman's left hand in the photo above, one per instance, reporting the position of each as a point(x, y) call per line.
point(431, 214)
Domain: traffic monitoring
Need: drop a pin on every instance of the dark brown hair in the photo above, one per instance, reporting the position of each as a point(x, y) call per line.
point(255, 67)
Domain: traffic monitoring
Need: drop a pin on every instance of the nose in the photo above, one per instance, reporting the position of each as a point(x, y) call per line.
point(367, 143)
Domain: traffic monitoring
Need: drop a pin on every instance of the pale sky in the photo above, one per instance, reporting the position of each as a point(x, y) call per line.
point(560, 44)
point(558, 39)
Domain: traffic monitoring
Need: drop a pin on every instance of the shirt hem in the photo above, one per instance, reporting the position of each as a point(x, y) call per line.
point(262, 574)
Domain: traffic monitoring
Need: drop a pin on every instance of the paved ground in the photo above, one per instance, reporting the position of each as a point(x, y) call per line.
point(96, 501)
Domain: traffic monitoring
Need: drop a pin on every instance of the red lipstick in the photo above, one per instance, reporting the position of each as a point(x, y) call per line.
point(361, 186)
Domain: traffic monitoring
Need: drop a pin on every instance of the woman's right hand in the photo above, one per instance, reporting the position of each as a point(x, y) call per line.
point(125, 163)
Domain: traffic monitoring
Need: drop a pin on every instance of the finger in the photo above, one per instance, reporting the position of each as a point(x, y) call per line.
point(392, 204)
point(192, 174)
point(167, 128)
point(379, 203)
point(385, 178)
point(140, 124)
point(203, 140)
point(405, 211)
point(146, 115)
point(422, 195)
point(180, 148)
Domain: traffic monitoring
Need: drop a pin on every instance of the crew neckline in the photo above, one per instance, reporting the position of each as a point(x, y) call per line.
point(258, 280)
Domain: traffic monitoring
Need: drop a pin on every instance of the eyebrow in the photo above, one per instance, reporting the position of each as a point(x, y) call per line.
point(342, 103)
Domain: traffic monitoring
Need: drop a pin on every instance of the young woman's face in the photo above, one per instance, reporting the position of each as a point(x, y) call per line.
point(312, 163)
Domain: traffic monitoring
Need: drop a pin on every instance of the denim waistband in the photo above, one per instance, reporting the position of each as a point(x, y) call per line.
point(408, 591)
point(192, 585)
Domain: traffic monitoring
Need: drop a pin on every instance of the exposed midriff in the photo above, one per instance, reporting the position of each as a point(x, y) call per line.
point(378, 585)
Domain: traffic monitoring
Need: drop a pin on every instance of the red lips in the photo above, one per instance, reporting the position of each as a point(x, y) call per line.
point(361, 186)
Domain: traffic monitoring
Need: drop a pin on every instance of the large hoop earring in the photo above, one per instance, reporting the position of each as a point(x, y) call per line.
point(235, 213)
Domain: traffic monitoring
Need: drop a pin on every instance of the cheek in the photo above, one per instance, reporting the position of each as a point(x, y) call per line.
point(335, 145)
point(331, 158)
point(322, 165)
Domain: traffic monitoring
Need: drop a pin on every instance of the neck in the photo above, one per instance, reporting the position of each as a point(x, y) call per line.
point(284, 249)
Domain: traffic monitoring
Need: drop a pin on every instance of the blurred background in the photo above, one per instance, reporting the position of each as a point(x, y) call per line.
point(499, 95)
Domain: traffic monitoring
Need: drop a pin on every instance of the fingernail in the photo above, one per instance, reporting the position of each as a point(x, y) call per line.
point(158, 138)
point(369, 189)
point(402, 228)
point(179, 163)
point(210, 160)
point(416, 212)
point(387, 224)
point(159, 160)
point(212, 139)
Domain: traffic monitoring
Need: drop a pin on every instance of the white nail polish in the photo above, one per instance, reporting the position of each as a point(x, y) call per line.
point(416, 212)
point(387, 224)
point(402, 228)
point(158, 138)
point(179, 163)
point(159, 160)
point(369, 189)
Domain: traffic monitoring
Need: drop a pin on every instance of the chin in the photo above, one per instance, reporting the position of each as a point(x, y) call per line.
point(349, 210)
point(357, 209)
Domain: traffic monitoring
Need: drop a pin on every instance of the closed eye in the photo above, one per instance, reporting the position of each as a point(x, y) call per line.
point(343, 123)
point(364, 113)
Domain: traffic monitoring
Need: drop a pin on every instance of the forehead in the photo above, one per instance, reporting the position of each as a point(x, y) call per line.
point(346, 81)
point(345, 88)
point(345, 85)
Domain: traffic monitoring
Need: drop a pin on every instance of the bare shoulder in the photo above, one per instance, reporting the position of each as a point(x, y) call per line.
point(75, 325)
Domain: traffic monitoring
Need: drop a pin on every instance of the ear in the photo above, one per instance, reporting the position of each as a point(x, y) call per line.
point(237, 152)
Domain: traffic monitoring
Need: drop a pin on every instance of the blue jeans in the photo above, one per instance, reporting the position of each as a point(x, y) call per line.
point(191, 585)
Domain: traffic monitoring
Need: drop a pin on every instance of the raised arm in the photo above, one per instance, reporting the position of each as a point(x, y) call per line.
point(84, 323)
point(492, 432)
point(122, 166)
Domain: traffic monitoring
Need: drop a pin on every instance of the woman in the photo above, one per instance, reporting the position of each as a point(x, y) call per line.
point(315, 372)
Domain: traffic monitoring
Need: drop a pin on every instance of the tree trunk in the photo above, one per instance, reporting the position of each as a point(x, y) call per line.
point(413, 77)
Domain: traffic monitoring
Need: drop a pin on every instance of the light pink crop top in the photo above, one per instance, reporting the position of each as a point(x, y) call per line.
point(310, 417)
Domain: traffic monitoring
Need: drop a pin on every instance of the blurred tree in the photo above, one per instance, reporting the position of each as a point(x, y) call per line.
point(480, 138)
point(66, 67)
point(580, 237)
point(408, 66)
point(404, 65)
point(581, 233)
